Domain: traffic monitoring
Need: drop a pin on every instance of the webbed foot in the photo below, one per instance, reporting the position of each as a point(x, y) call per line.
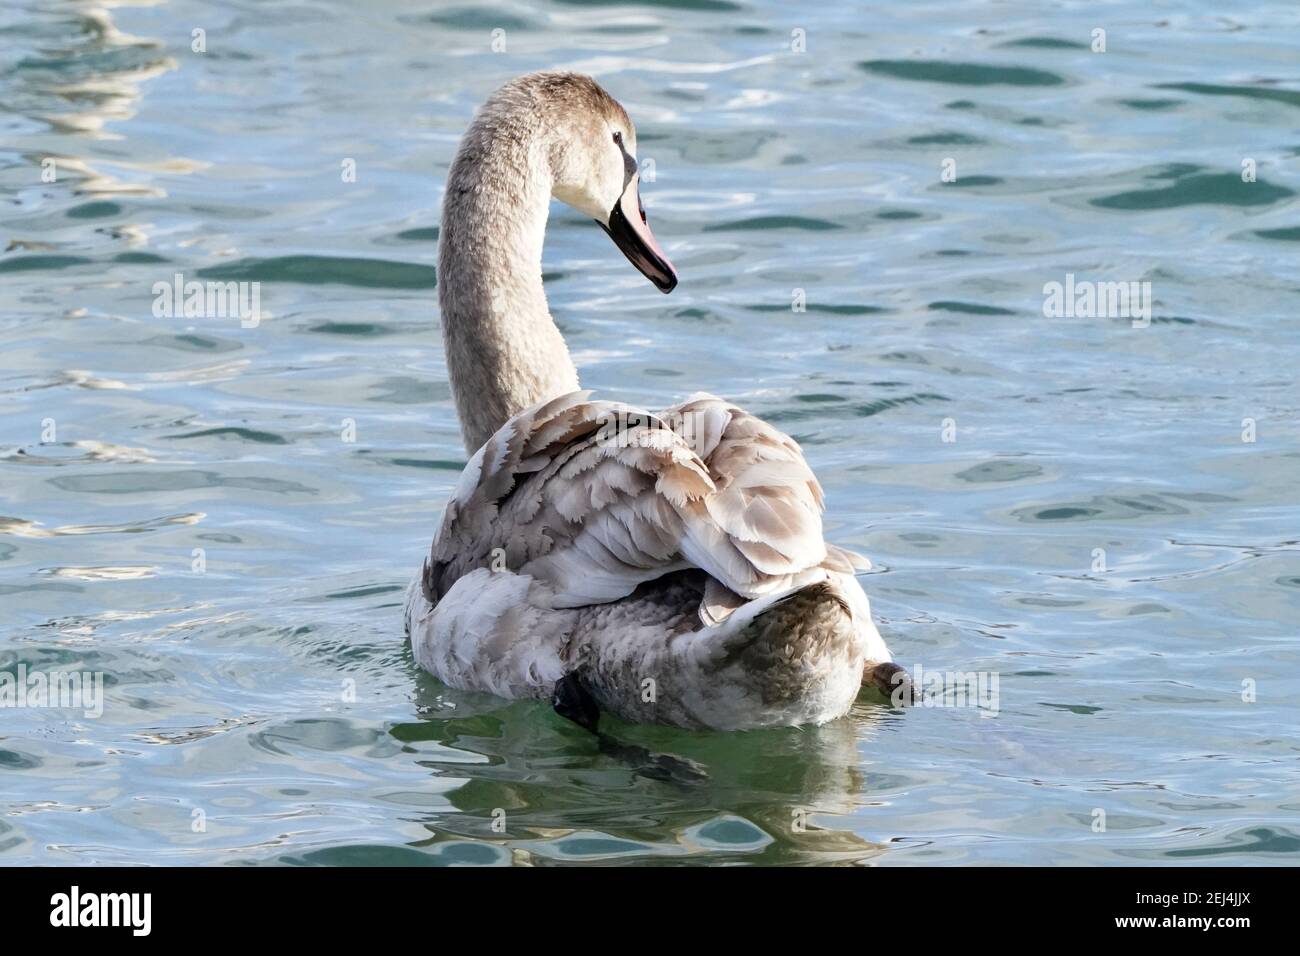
point(573, 702)
point(892, 680)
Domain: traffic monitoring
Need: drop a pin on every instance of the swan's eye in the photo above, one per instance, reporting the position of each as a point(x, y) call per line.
point(629, 164)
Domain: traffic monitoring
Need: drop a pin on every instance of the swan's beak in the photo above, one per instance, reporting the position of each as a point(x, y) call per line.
point(630, 232)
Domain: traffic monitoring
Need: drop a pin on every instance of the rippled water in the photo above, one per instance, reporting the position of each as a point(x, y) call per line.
point(229, 732)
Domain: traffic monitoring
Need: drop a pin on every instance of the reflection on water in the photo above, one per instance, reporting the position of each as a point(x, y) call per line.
point(589, 804)
point(1072, 504)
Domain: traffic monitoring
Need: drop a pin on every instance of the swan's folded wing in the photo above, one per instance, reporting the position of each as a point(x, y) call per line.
point(580, 494)
point(595, 498)
point(761, 529)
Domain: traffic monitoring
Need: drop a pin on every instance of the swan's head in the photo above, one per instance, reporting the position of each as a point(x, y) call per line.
point(591, 148)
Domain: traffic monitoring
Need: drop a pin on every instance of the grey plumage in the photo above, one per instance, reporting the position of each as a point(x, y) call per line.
point(675, 560)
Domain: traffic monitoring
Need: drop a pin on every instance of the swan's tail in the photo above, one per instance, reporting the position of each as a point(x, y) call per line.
point(782, 660)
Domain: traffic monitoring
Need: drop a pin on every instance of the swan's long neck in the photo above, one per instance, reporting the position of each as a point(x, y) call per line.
point(503, 350)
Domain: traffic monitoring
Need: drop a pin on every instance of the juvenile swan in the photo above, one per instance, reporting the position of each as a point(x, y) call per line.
point(669, 567)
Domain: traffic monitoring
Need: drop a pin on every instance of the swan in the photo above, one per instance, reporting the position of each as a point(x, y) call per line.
point(665, 567)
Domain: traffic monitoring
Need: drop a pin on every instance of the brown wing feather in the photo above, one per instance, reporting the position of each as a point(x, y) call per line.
point(594, 498)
